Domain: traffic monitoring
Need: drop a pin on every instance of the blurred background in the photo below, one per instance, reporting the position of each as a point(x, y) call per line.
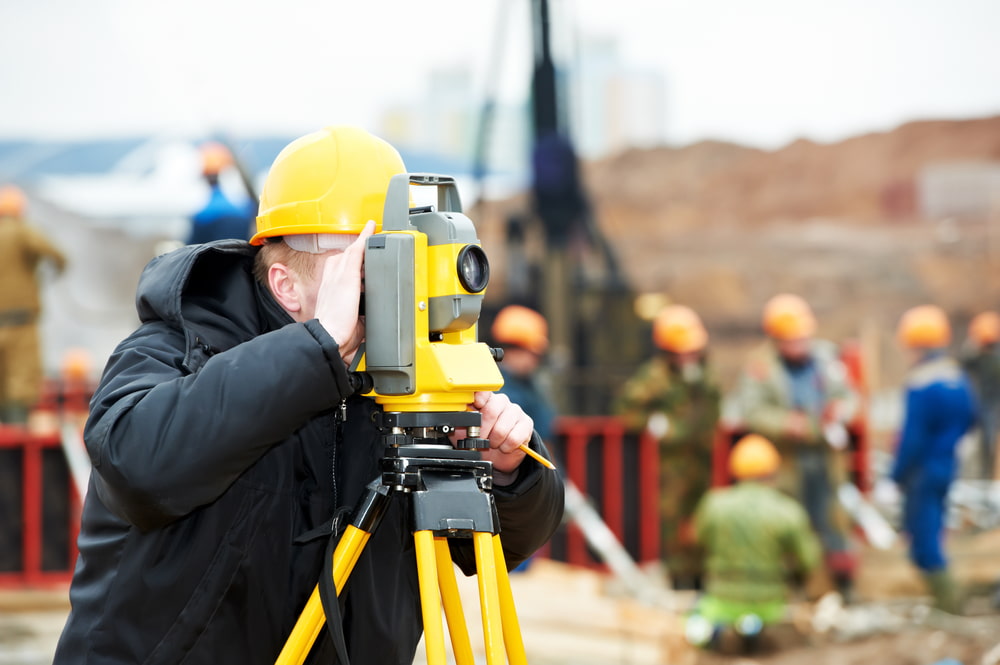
point(727, 150)
point(615, 156)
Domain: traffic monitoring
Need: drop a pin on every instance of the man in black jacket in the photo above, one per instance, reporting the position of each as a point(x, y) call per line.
point(225, 427)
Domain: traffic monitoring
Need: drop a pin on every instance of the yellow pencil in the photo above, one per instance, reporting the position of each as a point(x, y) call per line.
point(538, 458)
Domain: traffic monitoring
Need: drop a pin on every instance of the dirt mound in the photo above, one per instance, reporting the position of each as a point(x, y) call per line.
point(720, 183)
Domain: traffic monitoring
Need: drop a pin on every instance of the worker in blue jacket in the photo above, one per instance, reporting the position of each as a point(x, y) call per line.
point(940, 409)
point(220, 218)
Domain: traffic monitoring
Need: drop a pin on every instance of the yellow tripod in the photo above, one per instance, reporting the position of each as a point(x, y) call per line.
point(450, 495)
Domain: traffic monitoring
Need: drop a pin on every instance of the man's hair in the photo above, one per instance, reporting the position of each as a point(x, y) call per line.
point(275, 251)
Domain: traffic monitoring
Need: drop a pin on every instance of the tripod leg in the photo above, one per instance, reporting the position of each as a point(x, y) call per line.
point(453, 612)
point(489, 596)
point(511, 627)
point(430, 598)
point(311, 621)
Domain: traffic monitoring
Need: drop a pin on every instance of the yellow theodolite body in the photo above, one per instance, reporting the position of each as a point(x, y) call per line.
point(425, 277)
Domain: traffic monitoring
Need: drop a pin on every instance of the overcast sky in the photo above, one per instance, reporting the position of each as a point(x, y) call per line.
point(762, 72)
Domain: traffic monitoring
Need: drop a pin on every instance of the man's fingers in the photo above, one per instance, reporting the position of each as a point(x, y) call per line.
point(505, 424)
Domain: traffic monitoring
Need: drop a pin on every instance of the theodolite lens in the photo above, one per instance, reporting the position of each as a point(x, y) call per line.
point(473, 268)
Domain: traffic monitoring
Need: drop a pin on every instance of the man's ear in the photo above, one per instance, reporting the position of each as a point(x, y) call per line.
point(282, 282)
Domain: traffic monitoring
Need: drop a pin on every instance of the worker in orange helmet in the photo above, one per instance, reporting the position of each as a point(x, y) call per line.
point(220, 218)
point(757, 540)
point(939, 409)
point(795, 390)
point(23, 249)
point(523, 334)
point(980, 357)
point(675, 398)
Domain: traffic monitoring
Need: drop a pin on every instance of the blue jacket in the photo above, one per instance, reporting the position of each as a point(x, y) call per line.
point(940, 409)
point(221, 219)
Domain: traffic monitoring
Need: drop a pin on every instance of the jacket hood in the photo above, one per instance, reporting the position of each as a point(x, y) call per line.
point(182, 288)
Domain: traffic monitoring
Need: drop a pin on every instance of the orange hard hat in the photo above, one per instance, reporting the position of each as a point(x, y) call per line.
point(985, 328)
point(679, 329)
point(753, 456)
point(520, 326)
point(12, 201)
point(788, 317)
point(214, 158)
point(924, 327)
point(76, 364)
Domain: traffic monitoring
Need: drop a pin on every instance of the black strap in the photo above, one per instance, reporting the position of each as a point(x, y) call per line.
point(331, 605)
point(327, 589)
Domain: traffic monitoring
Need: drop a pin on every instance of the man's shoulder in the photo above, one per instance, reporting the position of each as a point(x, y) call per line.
point(761, 362)
point(943, 369)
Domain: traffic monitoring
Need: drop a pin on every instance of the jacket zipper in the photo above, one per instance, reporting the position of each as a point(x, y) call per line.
point(339, 418)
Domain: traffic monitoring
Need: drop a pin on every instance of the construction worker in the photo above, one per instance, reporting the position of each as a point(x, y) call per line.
point(758, 542)
point(939, 409)
point(795, 391)
point(981, 361)
point(675, 398)
point(225, 431)
point(22, 251)
point(220, 218)
point(523, 334)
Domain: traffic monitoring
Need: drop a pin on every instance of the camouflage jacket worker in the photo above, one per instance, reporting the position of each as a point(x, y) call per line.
point(681, 412)
point(767, 404)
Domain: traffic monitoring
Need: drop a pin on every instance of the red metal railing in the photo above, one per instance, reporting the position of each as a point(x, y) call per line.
point(619, 472)
point(48, 506)
point(33, 571)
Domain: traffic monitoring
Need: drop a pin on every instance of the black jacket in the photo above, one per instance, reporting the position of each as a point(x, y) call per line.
point(215, 442)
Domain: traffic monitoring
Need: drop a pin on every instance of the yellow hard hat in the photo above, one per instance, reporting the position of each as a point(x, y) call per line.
point(753, 456)
point(523, 327)
point(788, 317)
point(214, 158)
point(678, 328)
point(985, 328)
point(12, 201)
point(330, 181)
point(924, 327)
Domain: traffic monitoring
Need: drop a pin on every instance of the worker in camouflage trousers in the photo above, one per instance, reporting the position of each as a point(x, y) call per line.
point(795, 391)
point(23, 249)
point(675, 398)
point(758, 542)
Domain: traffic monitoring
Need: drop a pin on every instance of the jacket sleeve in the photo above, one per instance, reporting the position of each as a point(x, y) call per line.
point(910, 443)
point(42, 249)
point(530, 510)
point(164, 441)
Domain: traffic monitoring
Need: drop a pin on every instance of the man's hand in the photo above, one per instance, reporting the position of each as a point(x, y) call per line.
point(506, 426)
point(340, 295)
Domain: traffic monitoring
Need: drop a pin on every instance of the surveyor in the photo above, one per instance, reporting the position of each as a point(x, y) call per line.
point(981, 360)
point(794, 390)
point(220, 218)
point(225, 429)
point(758, 542)
point(675, 398)
point(939, 409)
point(23, 250)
